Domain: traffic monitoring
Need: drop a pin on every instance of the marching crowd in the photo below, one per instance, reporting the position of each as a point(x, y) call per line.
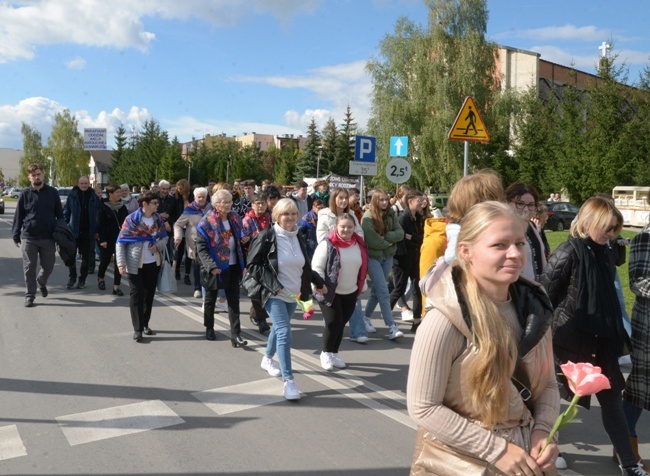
point(494, 311)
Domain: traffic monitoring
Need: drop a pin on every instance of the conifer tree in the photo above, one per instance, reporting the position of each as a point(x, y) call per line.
point(308, 161)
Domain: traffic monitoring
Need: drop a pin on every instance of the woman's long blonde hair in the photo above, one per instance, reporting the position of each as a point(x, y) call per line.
point(379, 220)
point(490, 371)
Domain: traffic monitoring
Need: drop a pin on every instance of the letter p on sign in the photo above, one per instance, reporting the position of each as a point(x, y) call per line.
point(365, 148)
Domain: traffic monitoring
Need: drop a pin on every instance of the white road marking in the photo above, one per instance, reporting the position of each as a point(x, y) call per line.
point(80, 428)
point(236, 398)
point(11, 444)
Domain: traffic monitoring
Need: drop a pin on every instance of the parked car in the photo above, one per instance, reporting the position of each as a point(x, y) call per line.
point(560, 215)
point(15, 192)
point(7, 191)
point(2, 206)
point(64, 192)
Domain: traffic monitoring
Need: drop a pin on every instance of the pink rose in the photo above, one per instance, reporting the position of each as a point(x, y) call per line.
point(584, 378)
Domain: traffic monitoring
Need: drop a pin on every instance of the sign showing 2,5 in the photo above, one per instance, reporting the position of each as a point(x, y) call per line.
point(398, 170)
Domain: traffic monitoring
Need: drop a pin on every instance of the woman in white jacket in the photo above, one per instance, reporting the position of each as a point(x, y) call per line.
point(338, 204)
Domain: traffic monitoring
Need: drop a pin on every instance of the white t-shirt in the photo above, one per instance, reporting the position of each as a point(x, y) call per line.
point(148, 257)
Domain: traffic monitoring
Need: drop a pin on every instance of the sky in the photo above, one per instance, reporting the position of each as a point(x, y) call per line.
point(267, 66)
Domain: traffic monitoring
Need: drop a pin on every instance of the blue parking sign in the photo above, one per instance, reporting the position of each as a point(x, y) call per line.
point(399, 146)
point(365, 148)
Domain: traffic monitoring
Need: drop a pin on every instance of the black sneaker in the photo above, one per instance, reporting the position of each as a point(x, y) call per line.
point(29, 302)
point(71, 283)
point(81, 284)
point(44, 292)
point(118, 292)
point(187, 280)
point(633, 471)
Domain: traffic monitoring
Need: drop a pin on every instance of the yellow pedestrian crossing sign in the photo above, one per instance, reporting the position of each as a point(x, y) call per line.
point(468, 124)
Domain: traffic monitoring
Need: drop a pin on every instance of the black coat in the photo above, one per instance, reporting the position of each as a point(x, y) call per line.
point(261, 280)
point(109, 223)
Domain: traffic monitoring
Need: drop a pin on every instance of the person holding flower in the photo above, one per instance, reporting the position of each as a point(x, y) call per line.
point(481, 384)
point(280, 274)
point(587, 324)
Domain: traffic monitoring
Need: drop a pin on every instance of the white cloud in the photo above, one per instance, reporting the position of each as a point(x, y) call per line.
point(39, 112)
point(566, 32)
point(25, 24)
point(338, 85)
point(77, 63)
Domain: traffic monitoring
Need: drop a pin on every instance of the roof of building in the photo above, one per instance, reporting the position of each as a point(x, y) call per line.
point(103, 159)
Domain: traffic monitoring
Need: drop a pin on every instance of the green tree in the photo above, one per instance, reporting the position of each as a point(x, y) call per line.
point(420, 81)
point(308, 161)
point(65, 146)
point(172, 166)
point(329, 150)
point(345, 144)
point(32, 145)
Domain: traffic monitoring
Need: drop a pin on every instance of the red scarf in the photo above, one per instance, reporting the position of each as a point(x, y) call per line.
point(339, 242)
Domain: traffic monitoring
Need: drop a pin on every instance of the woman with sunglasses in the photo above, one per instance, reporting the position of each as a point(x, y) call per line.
point(587, 324)
point(524, 200)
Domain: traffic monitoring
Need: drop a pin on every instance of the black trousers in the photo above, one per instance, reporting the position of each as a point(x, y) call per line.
point(231, 287)
point(336, 317)
point(85, 246)
point(401, 278)
point(257, 311)
point(106, 254)
point(143, 290)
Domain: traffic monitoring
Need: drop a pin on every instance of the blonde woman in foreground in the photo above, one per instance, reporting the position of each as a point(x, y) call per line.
point(486, 321)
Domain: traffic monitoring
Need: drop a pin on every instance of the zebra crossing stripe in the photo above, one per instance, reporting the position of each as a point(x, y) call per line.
point(80, 428)
point(235, 398)
point(11, 444)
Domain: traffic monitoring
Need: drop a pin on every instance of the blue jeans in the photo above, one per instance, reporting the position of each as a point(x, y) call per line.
point(280, 313)
point(379, 270)
point(357, 326)
point(621, 300)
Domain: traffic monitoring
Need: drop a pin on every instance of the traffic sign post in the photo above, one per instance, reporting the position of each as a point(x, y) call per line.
point(399, 146)
point(363, 168)
point(365, 149)
point(469, 126)
point(398, 171)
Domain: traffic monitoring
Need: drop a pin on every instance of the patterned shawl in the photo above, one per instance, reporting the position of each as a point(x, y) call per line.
point(194, 209)
point(217, 238)
point(135, 231)
point(253, 224)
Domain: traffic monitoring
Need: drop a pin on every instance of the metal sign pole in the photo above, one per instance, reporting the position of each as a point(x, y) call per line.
point(466, 161)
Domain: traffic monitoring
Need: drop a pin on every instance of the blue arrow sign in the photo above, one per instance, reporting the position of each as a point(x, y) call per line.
point(399, 146)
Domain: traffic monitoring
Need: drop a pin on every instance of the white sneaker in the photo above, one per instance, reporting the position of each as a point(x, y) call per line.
point(360, 339)
point(560, 463)
point(270, 366)
point(337, 362)
point(369, 328)
point(407, 315)
point(197, 293)
point(326, 361)
point(394, 332)
point(290, 390)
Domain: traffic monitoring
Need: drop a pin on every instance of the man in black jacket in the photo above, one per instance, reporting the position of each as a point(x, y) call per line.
point(168, 209)
point(38, 208)
point(80, 213)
